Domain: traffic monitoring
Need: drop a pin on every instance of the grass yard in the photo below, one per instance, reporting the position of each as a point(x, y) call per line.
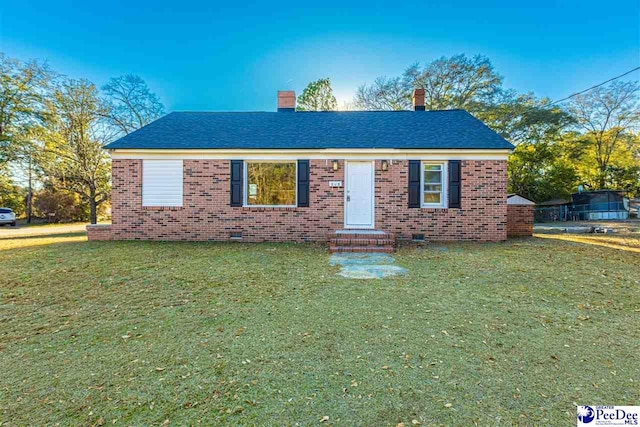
point(141, 333)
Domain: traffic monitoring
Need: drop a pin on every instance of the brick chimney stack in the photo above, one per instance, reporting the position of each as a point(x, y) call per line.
point(286, 100)
point(418, 99)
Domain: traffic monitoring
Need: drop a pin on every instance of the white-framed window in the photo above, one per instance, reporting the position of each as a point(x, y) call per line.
point(162, 182)
point(270, 183)
point(434, 184)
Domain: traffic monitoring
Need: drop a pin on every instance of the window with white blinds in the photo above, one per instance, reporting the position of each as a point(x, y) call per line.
point(434, 184)
point(162, 183)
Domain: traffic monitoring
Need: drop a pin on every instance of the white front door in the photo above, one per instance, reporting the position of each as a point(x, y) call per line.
point(359, 195)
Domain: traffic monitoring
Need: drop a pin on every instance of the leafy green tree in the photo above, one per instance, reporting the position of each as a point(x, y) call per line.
point(625, 178)
point(523, 118)
point(538, 172)
point(607, 115)
point(74, 159)
point(621, 172)
point(52, 130)
point(23, 89)
point(317, 96)
point(535, 169)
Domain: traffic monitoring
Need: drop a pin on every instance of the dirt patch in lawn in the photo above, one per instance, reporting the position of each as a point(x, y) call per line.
point(366, 265)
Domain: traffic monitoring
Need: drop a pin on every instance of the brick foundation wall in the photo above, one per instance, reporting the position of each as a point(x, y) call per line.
point(99, 232)
point(519, 220)
point(206, 214)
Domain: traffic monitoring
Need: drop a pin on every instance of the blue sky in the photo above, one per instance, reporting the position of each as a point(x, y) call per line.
point(200, 55)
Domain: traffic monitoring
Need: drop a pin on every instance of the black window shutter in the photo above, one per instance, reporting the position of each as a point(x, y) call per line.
point(455, 183)
point(303, 183)
point(236, 182)
point(414, 183)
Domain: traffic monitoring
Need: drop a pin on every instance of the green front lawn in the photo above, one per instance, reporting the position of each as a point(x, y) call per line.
point(137, 333)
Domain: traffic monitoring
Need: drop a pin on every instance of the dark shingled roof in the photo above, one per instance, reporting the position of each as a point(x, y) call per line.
point(450, 129)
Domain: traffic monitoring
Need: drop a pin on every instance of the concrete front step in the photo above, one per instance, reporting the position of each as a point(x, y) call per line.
point(377, 249)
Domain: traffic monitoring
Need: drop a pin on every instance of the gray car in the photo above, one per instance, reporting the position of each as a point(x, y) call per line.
point(7, 217)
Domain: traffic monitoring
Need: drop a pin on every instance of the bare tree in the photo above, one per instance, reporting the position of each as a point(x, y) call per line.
point(385, 94)
point(607, 114)
point(130, 103)
point(456, 82)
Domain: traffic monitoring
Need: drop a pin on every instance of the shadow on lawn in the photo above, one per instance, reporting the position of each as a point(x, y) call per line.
point(628, 243)
point(24, 242)
point(616, 242)
point(44, 236)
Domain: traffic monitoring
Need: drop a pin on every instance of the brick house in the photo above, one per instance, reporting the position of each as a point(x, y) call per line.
point(301, 176)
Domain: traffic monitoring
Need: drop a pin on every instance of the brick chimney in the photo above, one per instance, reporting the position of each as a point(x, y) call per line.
point(418, 99)
point(286, 100)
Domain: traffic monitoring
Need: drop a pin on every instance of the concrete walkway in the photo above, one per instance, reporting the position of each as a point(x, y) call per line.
point(366, 265)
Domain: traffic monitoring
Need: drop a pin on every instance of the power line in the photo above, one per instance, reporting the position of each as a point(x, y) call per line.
point(596, 86)
point(533, 107)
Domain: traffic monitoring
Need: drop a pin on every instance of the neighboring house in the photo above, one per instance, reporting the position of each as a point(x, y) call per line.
point(300, 176)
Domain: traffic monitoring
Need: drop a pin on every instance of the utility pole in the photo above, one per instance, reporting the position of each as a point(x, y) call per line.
point(30, 187)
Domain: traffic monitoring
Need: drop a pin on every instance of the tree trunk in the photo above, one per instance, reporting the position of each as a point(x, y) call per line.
point(602, 179)
point(94, 211)
point(29, 203)
point(93, 206)
point(29, 194)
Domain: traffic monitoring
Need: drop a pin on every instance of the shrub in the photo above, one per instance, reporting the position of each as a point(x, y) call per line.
point(60, 206)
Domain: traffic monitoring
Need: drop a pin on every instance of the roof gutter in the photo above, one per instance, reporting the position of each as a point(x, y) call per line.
point(327, 153)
